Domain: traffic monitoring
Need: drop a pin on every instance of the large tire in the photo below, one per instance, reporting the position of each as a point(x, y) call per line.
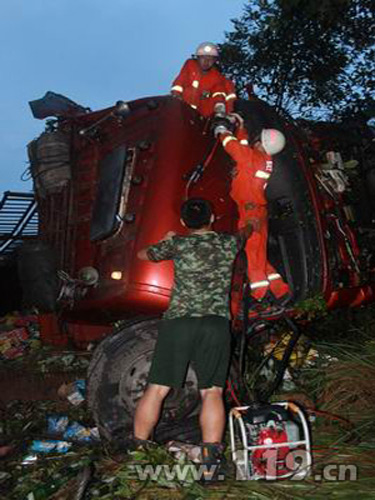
point(117, 377)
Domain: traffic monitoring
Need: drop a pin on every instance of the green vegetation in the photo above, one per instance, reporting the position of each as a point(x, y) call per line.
point(315, 59)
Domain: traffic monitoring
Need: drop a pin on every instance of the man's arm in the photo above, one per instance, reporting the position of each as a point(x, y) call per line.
point(231, 145)
point(143, 253)
point(241, 132)
point(235, 144)
point(179, 83)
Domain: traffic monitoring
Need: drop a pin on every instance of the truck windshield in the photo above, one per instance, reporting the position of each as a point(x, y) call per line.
point(113, 183)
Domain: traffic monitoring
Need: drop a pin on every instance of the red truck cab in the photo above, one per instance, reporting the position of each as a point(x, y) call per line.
point(111, 182)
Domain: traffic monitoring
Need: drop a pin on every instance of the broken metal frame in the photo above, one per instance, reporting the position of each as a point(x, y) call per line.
point(18, 221)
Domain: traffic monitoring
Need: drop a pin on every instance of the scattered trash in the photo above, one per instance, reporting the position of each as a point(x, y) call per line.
point(12, 343)
point(50, 445)
point(73, 392)
point(29, 459)
point(80, 433)
point(17, 334)
point(181, 451)
point(74, 431)
point(58, 463)
point(57, 424)
point(17, 319)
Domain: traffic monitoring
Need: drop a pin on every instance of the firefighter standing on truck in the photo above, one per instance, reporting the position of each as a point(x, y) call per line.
point(201, 84)
point(254, 167)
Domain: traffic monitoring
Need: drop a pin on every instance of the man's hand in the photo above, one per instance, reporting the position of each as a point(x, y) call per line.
point(221, 125)
point(220, 129)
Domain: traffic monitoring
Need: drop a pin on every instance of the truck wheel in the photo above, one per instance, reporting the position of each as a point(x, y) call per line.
point(117, 377)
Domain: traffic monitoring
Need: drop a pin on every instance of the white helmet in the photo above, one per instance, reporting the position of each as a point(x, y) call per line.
point(207, 49)
point(272, 140)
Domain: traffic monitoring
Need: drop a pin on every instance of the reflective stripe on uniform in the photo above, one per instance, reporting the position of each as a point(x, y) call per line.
point(230, 96)
point(228, 139)
point(219, 93)
point(274, 276)
point(195, 84)
point(244, 142)
point(177, 88)
point(262, 175)
point(259, 284)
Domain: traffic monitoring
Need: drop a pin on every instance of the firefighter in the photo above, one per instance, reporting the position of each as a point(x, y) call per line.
point(254, 167)
point(201, 84)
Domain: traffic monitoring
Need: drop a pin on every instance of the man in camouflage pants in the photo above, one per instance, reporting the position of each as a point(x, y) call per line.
point(195, 328)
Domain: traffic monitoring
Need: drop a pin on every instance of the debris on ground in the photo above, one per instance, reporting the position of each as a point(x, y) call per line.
point(17, 334)
point(182, 451)
point(50, 449)
point(75, 392)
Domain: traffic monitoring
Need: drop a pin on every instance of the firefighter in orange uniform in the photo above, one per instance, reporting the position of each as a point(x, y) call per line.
point(253, 169)
point(201, 84)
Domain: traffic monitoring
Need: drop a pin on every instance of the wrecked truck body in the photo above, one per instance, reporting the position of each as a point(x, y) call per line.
point(111, 182)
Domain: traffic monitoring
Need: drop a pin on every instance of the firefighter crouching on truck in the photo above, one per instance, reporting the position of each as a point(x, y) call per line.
point(253, 169)
point(201, 84)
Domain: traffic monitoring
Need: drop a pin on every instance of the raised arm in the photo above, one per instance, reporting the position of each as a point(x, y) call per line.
point(232, 145)
point(163, 250)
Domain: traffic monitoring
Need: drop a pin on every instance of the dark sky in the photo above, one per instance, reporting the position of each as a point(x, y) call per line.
point(94, 52)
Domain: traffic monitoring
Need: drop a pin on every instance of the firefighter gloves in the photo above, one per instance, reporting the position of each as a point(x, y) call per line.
point(220, 129)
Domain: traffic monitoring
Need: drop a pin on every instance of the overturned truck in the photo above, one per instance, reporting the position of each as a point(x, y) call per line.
point(111, 182)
